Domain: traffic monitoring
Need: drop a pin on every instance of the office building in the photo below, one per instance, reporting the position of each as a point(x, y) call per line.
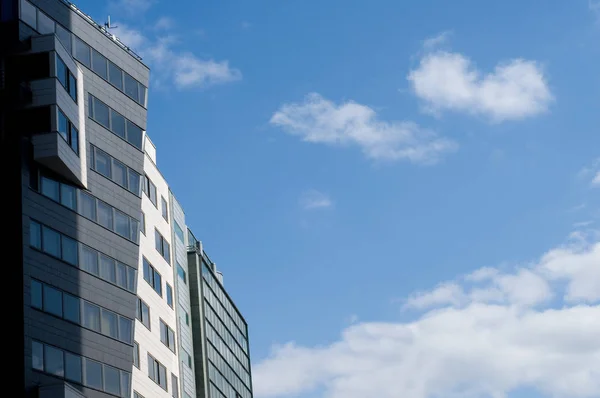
point(110, 304)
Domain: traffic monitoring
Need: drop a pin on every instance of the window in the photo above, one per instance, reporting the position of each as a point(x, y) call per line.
point(54, 361)
point(71, 308)
point(157, 372)
point(69, 250)
point(134, 182)
point(136, 354)
point(91, 316)
point(119, 173)
point(167, 335)
point(143, 313)
point(37, 356)
point(89, 260)
point(68, 131)
point(162, 246)
point(102, 163)
point(165, 208)
point(179, 232)
point(143, 224)
point(115, 75)
point(125, 329)
point(107, 269)
point(35, 234)
point(52, 301)
point(109, 324)
point(137, 395)
point(66, 78)
point(87, 205)
point(122, 224)
point(174, 386)
point(112, 380)
point(64, 36)
point(51, 242)
point(117, 123)
point(73, 367)
point(189, 359)
point(82, 52)
point(68, 196)
point(93, 374)
point(99, 64)
point(169, 295)
point(131, 88)
point(28, 14)
point(187, 319)
point(181, 273)
point(150, 190)
point(105, 215)
point(50, 188)
point(134, 135)
point(152, 276)
point(36, 294)
point(45, 25)
point(101, 112)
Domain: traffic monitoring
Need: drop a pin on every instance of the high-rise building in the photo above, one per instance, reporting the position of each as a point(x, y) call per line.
point(117, 296)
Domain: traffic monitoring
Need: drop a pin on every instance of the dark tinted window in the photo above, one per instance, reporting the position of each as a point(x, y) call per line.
point(115, 75)
point(99, 64)
point(118, 124)
point(134, 135)
point(82, 52)
point(101, 113)
point(131, 87)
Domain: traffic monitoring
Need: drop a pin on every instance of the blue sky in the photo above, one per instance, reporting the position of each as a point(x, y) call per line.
point(403, 196)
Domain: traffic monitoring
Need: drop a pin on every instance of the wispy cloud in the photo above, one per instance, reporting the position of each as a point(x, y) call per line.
point(515, 89)
point(319, 120)
point(591, 173)
point(181, 68)
point(313, 199)
point(437, 41)
point(484, 335)
point(164, 23)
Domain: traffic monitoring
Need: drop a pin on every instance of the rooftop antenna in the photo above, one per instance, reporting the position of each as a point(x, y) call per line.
point(107, 24)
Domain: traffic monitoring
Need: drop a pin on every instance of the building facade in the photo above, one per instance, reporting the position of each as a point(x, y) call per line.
point(114, 303)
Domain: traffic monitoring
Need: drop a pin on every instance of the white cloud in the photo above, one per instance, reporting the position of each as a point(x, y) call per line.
point(131, 7)
point(164, 23)
point(444, 80)
point(485, 335)
point(313, 199)
point(591, 173)
point(319, 120)
point(596, 180)
point(183, 69)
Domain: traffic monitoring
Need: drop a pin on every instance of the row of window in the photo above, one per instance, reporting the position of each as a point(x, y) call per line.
point(66, 78)
point(234, 353)
point(162, 246)
point(226, 335)
point(115, 122)
point(78, 369)
point(167, 335)
point(74, 309)
point(222, 296)
point(225, 317)
point(68, 131)
point(44, 24)
point(82, 256)
point(108, 71)
point(115, 170)
point(221, 381)
point(233, 363)
point(91, 208)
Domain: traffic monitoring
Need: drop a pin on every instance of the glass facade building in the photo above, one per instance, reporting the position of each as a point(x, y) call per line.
point(114, 298)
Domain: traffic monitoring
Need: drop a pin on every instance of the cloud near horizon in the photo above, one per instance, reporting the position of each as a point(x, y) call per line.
point(482, 335)
point(319, 120)
point(449, 81)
